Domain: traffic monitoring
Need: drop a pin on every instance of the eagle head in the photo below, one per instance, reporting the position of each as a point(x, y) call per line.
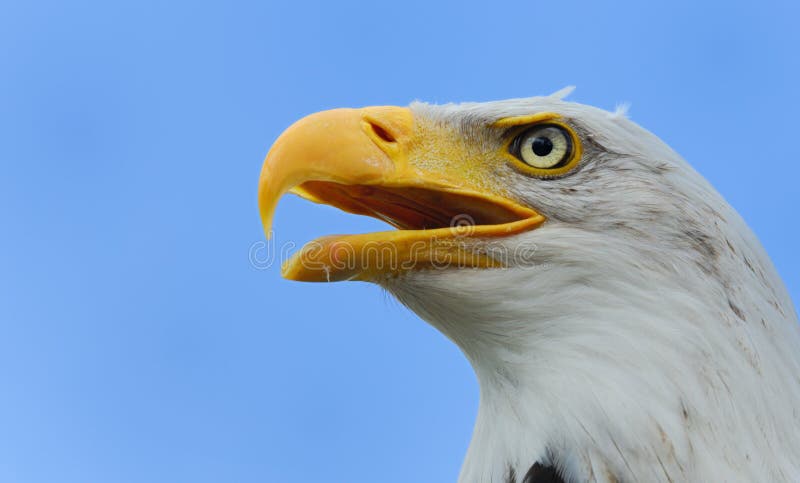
point(622, 320)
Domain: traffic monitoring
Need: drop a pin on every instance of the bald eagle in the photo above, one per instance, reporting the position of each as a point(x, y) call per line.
point(622, 320)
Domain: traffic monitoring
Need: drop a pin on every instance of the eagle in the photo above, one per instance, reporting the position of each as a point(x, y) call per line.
point(622, 320)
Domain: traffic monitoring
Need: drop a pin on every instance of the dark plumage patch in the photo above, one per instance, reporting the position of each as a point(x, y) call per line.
point(540, 473)
point(511, 475)
point(736, 310)
point(703, 243)
point(684, 411)
point(730, 247)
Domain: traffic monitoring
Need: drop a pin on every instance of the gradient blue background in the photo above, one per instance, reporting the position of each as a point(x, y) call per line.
point(138, 343)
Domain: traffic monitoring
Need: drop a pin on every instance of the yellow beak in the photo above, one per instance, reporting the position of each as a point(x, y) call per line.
point(366, 161)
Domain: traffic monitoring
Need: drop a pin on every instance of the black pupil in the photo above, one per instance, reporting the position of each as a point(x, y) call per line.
point(542, 146)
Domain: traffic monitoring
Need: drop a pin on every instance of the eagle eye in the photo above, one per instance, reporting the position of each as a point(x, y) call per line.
point(546, 146)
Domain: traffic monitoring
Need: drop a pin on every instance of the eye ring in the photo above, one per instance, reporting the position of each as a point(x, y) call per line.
point(544, 147)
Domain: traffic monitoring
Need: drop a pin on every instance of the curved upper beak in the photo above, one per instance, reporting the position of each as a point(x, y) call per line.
point(346, 146)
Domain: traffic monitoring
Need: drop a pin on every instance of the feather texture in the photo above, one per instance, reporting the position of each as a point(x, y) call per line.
point(644, 336)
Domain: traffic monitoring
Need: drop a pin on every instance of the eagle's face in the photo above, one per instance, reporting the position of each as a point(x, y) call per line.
point(481, 186)
point(528, 206)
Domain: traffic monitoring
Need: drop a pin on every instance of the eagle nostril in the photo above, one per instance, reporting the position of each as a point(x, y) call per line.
point(380, 131)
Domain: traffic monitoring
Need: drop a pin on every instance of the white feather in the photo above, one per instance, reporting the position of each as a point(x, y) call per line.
point(621, 110)
point(649, 337)
point(562, 93)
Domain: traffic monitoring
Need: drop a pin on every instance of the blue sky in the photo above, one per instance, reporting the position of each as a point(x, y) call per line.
point(138, 342)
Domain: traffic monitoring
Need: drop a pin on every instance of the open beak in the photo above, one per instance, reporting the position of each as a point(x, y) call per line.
point(358, 160)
